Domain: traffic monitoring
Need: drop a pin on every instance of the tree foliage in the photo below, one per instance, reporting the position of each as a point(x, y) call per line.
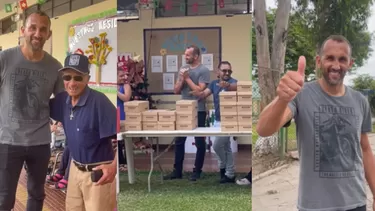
point(366, 83)
point(310, 25)
point(346, 17)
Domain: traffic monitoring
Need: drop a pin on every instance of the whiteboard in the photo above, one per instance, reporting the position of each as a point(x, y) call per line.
point(79, 38)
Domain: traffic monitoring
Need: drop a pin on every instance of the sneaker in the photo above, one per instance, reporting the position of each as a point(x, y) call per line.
point(195, 175)
point(61, 185)
point(227, 179)
point(173, 175)
point(243, 181)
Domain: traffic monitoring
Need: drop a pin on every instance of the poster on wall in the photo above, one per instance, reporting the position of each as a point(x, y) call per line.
point(97, 39)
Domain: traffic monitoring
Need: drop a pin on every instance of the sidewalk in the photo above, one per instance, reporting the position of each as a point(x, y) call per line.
point(278, 192)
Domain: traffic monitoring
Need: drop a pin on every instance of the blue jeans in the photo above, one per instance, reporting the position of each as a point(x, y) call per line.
point(200, 143)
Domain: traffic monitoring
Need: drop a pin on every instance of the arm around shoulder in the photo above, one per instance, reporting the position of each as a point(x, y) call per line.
point(56, 107)
point(274, 116)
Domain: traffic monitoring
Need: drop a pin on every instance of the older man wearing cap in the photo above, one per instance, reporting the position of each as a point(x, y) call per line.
point(89, 120)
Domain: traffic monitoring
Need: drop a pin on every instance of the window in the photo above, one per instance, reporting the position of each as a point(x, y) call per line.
point(79, 4)
point(60, 7)
point(8, 25)
point(46, 7)
point(178, 8)
point(30, 10)
point(127, 9)
point(54, 8)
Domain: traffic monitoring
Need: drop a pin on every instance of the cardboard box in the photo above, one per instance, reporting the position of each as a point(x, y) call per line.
point(133, 126)
point(244, 86)
point(166, 125)
point(186, 105)
point(228, 107)
point(244, 118)
point(245, 128)
point(167, 116)
point(186, 116)
point(136, 106)
point(133, 117)
point(228, 118)
point(150, 125)
point(228, 96)
point(245, 97)
point(150, 115)
point(187, 125)
point(244, 107)
point(229, 126)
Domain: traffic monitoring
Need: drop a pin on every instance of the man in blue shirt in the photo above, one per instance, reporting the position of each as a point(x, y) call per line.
point(89, 120)
point(222, 144)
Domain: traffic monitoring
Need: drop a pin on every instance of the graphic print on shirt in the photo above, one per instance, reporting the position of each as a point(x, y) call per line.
point(26, 87)
point(336, 141)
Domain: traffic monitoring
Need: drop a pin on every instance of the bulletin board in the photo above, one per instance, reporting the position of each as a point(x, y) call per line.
point(164, 54)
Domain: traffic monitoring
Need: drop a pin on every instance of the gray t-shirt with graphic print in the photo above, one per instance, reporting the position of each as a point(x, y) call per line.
point(25, 91)
point(328, 133)
point(200, 74)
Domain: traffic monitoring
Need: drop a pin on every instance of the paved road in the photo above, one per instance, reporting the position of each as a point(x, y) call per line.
point(278, 192)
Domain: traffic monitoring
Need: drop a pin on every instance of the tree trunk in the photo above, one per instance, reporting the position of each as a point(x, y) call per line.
point(279, 43)
point(269, 70)
point(263, 54)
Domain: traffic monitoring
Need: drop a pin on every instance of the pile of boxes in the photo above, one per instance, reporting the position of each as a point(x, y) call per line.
point(235, 112)
point(187, 114)
point(236, 108)
point(139, 117)
point(166, 120)
point(133, 112)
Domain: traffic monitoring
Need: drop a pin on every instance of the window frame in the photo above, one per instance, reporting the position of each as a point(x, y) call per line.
point(215, 12)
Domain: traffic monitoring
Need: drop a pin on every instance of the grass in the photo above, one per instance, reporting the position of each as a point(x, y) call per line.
point(292, 135)
point(204, 195)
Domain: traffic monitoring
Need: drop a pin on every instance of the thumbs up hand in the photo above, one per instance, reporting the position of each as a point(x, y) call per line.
point(292, 82)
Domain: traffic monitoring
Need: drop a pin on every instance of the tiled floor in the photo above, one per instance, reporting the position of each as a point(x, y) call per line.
point(55, 200)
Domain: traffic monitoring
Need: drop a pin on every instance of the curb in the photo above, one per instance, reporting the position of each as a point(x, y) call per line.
point(269, 172)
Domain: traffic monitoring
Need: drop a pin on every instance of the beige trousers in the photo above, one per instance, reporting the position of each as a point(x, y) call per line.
point(83, 195)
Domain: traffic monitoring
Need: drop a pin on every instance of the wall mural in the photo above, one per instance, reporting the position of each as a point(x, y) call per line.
point(97, 39)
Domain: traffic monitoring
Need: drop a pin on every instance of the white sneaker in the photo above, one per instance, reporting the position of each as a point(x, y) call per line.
point(243, 181)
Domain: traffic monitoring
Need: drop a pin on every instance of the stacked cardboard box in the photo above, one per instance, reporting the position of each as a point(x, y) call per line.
point(150, 119)
point(133, 111)
point(228, 111)
point(186, 114)
point(244, 105)
point(236, 108)
point(167, 120)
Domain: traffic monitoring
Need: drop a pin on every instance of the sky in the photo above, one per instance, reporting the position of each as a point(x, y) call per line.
point(369, 65)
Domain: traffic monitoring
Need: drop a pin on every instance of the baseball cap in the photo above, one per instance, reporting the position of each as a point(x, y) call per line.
point(77, 62)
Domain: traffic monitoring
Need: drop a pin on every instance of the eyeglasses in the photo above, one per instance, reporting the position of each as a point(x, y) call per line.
point(225, 71)
point(77, 78)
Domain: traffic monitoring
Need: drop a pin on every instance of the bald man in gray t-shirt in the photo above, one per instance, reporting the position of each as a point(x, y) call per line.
point(194, 76)
point(332, 122)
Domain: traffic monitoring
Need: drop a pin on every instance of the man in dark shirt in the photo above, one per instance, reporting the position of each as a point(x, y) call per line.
point(221, 144)
point(89, 120)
